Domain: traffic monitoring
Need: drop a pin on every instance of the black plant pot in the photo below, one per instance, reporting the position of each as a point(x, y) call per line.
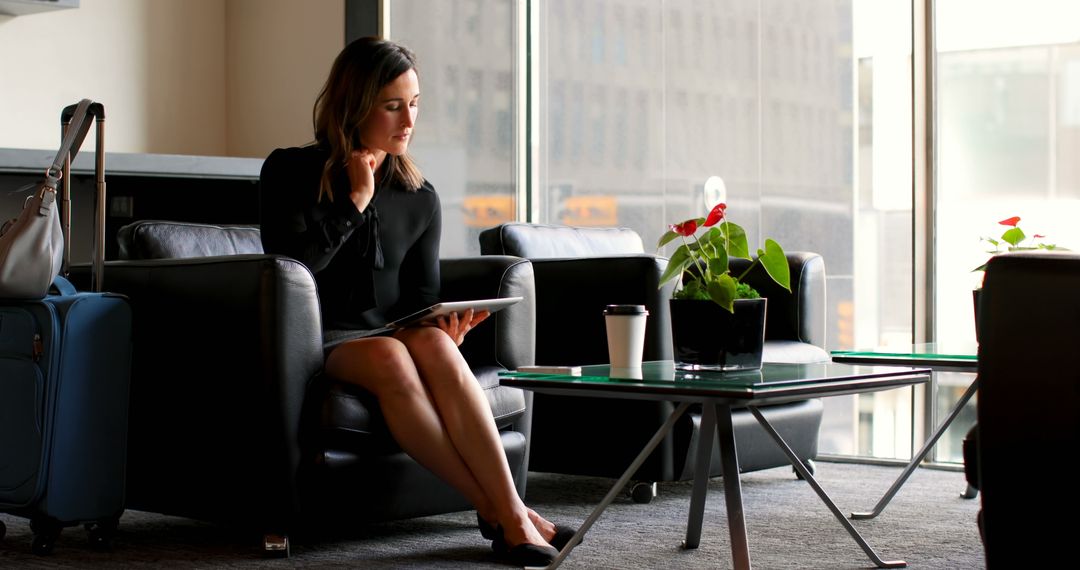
point(707, 337)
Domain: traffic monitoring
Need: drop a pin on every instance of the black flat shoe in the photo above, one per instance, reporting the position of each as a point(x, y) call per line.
point(486, 530)
point(562, 537)
point(531, 555)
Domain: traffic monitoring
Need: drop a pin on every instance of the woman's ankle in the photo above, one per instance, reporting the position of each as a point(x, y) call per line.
point(519, 529)
point(488, 517)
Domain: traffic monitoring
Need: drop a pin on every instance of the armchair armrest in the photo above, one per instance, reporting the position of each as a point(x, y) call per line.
point(224, 349)
point(508, 338)
point(799, 315)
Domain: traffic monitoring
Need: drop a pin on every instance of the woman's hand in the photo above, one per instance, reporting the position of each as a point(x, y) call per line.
point(361, 169)
point(458, 327)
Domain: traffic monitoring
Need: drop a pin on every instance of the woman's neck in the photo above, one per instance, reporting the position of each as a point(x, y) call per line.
point(380, 158)
point(382, 165)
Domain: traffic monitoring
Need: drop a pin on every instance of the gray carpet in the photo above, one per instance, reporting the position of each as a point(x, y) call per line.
point(927, 524)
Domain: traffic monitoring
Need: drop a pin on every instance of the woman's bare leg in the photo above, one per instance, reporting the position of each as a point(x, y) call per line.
point(384, 367)
point(466, 415)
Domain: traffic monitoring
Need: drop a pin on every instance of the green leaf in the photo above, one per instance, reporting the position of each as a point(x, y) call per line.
point(775, 263)
point(680, 260)
point(666, 238)
point(722, 292)
point(1013, 236)
point(718, 265)
point(736, 240)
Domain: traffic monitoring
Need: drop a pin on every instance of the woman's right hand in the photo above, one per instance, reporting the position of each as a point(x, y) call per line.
point(456, 327)
point(361, 170)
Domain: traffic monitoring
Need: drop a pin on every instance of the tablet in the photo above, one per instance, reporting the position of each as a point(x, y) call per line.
point(443, 309)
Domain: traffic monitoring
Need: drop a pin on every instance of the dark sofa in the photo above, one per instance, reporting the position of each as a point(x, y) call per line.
point(580, 270)
point(231, 416)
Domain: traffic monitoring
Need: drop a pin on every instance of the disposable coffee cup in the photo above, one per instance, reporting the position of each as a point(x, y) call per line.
point(625, 334)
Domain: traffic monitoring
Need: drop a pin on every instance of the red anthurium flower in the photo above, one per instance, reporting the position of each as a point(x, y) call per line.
point(1039, 236)
point(1011, 221)
point(716, 214)
point(685, 229)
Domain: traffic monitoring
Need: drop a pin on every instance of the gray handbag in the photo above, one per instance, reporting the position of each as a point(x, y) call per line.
point(32, 245)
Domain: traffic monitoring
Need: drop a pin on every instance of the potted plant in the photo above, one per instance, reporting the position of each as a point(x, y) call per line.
point(717, 320)
point(1014, 239)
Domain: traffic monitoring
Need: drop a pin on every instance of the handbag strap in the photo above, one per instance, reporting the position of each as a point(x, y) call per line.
point(73, 137)
point(63, 286)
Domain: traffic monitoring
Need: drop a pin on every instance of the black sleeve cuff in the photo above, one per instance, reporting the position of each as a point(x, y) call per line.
point(348, 218)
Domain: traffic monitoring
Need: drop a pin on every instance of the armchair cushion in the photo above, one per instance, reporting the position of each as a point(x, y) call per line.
point(791, 351)
point(159, 239)
point(351, 417)
point(539, 241)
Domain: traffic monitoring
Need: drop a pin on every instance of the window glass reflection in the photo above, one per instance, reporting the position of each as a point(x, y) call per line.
point(464, 135)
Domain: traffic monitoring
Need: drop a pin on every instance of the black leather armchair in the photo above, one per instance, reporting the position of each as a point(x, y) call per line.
point(231, 416)
point(1028, 409)
point(580, 270)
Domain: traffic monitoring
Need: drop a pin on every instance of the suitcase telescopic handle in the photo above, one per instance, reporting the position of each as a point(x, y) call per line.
point(75, 123)
point(83, 113)
point(94, 110)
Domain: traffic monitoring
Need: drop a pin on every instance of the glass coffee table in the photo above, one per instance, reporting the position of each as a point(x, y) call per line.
point(941, 356)
point(718, 393)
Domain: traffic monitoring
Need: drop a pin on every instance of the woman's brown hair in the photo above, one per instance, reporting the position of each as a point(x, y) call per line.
point(360, 71)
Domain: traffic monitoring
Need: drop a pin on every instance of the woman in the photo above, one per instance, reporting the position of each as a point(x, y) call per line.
point(355, 209)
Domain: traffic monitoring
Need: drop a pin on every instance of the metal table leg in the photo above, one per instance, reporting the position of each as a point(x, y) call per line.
point(716, 419)
point(701, 476)
point(798, 465)
point(915, 461)
point(634, 465)
point(740, 547)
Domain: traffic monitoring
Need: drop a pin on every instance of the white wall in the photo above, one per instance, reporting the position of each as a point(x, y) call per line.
point(279, 54)
point(204, 77)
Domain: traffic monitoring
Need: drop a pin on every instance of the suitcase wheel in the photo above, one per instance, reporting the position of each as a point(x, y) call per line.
point(100, 534)
point(45, 535)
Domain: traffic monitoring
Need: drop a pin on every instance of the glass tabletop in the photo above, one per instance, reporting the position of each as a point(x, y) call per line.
point(960, 354)
point(770, 380)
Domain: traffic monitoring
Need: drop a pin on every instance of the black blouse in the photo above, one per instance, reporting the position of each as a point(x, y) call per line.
point(371, 267)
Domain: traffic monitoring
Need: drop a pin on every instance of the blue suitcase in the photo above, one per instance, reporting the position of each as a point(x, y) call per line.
point(65, 367)
point(64, 376)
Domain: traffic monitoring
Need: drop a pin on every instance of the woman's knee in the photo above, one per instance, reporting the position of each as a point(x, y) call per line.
point(370, 362)
point(427, 341)
point(437, 357)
